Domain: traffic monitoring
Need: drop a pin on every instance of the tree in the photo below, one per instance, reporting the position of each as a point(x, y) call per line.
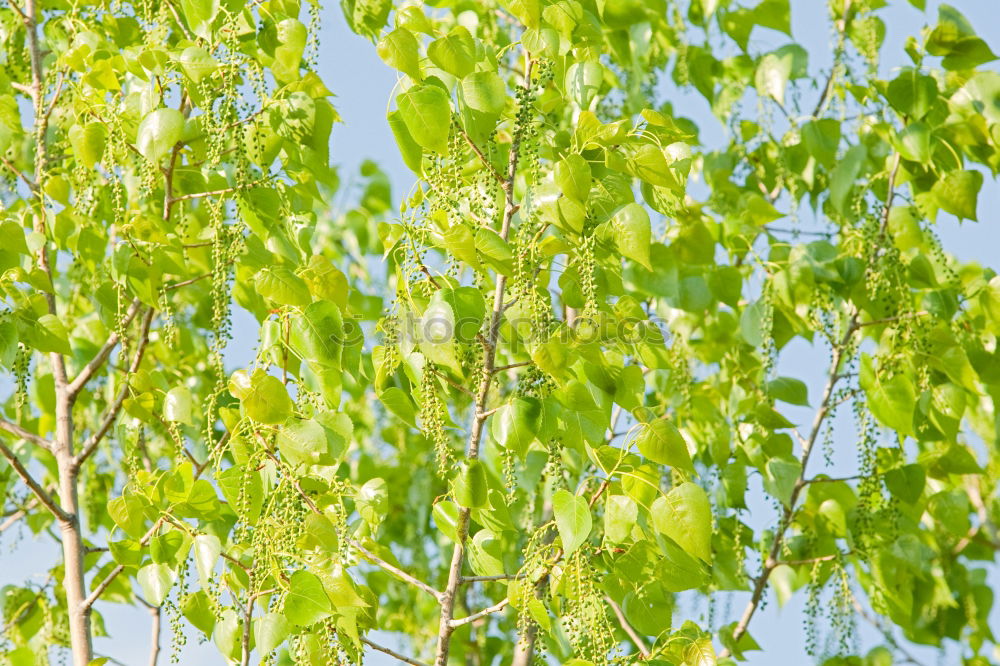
point(526, 414)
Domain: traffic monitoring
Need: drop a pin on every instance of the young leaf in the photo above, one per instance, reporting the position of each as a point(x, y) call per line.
point(158, 132)
point(661, 442)
point(685, 515)
point(426, 112)
point(572, 519)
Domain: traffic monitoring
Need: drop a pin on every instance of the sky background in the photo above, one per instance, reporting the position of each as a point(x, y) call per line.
point(363, 85)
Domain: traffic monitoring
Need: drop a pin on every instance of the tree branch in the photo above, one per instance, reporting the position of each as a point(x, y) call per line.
point(75, 386)
point(17, 430)
point(112, 412)
point(495, 608)
point(47, 501)
point(627, 628)
point(110, 578)
point(394, 570)
point(392, 653)
point(482, 158)
point(445, 628)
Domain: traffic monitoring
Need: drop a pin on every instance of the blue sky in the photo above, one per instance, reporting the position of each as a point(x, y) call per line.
point(363, 85)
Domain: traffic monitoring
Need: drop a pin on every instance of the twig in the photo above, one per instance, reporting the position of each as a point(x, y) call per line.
point(445, 629)
point(511, 366)
point(495, 608)
point(112, 412)
point(32, 484)
point(482, 158)
point(75, 386)
point(394, 570)
point(392, 653)
point(110, 578)
point(19, 11)
point(632, 633)
point(490, 579)
point(451, 381)
point(20, 174)
point(17, 430)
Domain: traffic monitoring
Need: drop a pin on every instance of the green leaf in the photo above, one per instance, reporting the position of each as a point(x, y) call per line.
point(269, 631)
point(787, 389)
point(914, 143)
point(156, 581)
point(572, 519)
point(49, 335)
point(780, 478)
point(573, 176)
point(583, 82)
point(958, 192)
point(197, 63)
point(470, 485)
point(426, 112)
point(514, 426)
point(397, 402)
point(282, 286)
point(199, 15)
point(128, 512)
point(620, 515)
point(685, 515)
point(401, 50)
point(158, 132)
point(177, 405)
point(454, 53)
point(304, 442)
point(267, 400)
point(207, 549)
point(88, 142)
point(485, 92)
point(409, 149)
point(892, 403)
point(843, 177)
point(906, 482)
point(317, 335)
point(373, 500)
point(632, 231)
point(661, 442)
point(306, 602)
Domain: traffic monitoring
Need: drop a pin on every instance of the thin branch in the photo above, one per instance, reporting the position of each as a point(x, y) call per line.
point(20, 174)
point(16, 516)
point(110, 578)
point(451, 381)
point(75, 386)
point(394, 570)
point(632, 633)
point(392, 653)
point(482, 158)
point(490, 579)
point(890, 320)
point(154, 633)
point(786, 519)
point(17, 430)
point(495, 608)
point(812, 560)
point(215, 193)
point(32, 484)
point(112, 412)
point(19, 11)
point(511, 366)
point(445, 628)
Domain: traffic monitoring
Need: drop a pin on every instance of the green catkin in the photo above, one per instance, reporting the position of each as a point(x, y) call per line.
point(432, 420)
point(22, 374)
point(813, 610)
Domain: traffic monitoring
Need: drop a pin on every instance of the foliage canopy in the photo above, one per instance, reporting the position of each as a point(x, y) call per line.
point(523, 414)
